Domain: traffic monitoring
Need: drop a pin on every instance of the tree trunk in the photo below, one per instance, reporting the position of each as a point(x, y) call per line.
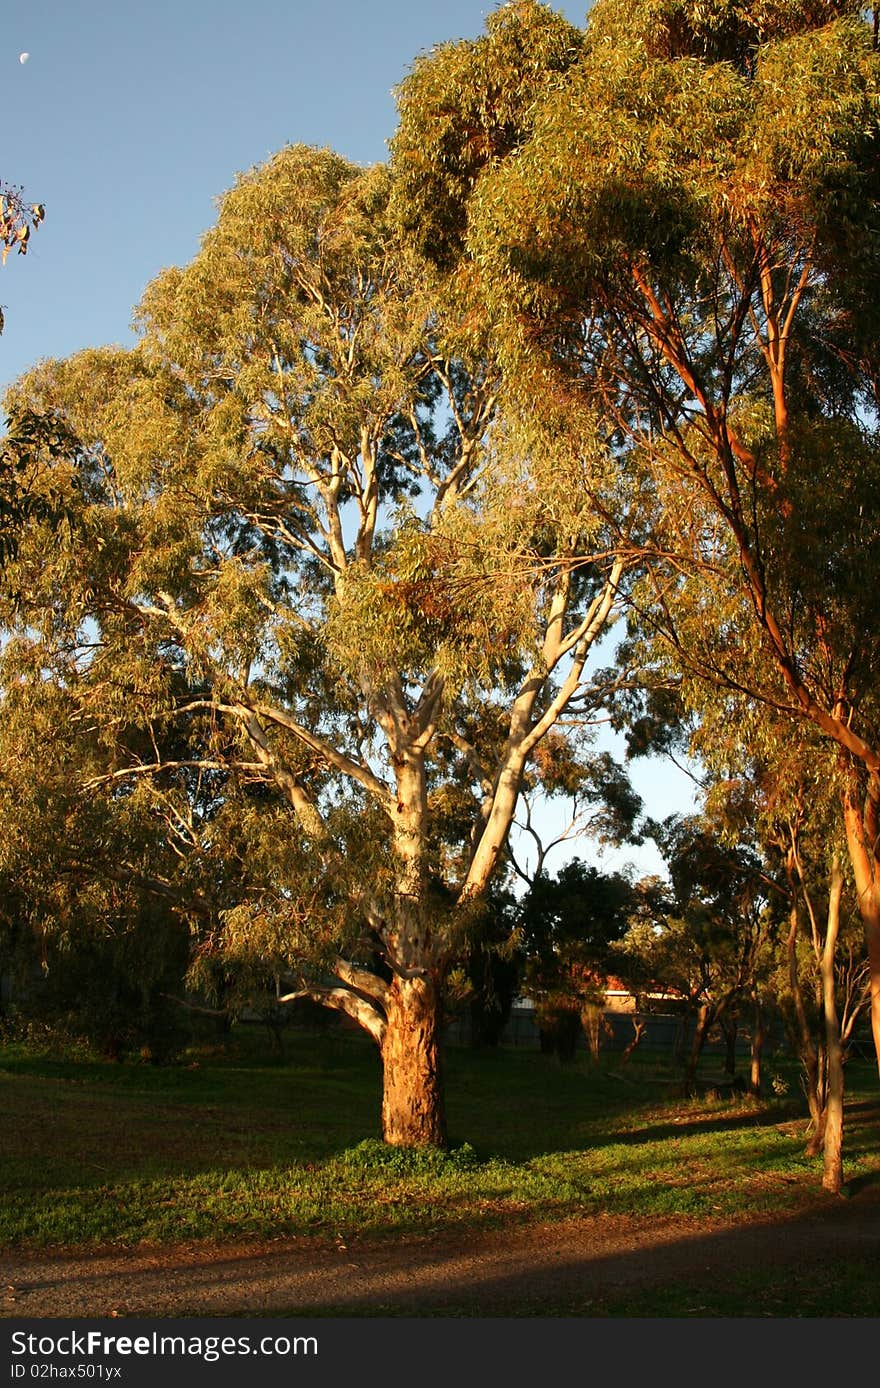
point(832, 1173)
point(679, 1040)
point(860, 841)
point(704, 1019)
point(759, 1036)
point(806, 1050)
point(591, 1021)
point(730, 1031)
point(817, 1099)
point(639, 1026)
point(413, 1111)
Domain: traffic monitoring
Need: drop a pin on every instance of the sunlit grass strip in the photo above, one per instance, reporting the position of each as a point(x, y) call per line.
point(354, 1195)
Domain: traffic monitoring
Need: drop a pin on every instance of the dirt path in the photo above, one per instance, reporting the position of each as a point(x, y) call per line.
point(523, 1270)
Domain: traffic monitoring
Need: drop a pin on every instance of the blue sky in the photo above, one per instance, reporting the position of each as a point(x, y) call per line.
point(130, 118)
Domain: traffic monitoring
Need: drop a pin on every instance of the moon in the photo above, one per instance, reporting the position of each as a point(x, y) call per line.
point(23, 57)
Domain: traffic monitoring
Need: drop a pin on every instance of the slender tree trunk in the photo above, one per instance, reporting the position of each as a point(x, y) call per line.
point(639, 1026)
point(832, 1173)
point(817, 1098)
point(759, 1036)
point(730, 1031)
point(413, 1111)
point(703, 1022)
point(816, 1140)
point(591, 1021)
point(806, 1050)
point(862, 847)
point(679, 1040)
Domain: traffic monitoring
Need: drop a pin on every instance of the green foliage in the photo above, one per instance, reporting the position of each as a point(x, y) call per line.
point(113, 987)
point(723, 31)
point(578, 914)
point(642, 156)
point(373, 1156)
point(568, 926)
point(708, 935)
point(463, 107)
point(90, 951)
point(29, 439)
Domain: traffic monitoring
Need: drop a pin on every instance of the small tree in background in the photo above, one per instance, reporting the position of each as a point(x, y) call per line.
point(706, 934)
point(568, 926)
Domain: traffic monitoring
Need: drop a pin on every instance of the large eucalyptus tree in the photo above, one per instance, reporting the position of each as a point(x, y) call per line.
point(304, 558)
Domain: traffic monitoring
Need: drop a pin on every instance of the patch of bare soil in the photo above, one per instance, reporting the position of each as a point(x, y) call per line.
point(521, 1270)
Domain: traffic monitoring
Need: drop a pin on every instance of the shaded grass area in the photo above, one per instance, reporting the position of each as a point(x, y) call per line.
point(236, 1144)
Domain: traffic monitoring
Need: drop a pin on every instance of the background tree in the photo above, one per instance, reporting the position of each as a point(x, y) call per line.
point(491, 968)
point(782, 783)
point(93, 941)
point(567, 926)
point(706, 934)
point(775, 787)
point(686, 237)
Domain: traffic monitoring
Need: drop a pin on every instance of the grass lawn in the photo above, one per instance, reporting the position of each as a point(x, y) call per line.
point(239, 1144)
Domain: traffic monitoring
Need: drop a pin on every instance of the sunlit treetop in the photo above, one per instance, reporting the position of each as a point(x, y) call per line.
point(465, 105)
point(648, 159)
point(723, 31)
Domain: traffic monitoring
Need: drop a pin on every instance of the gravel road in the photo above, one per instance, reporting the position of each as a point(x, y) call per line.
point(521, 1270)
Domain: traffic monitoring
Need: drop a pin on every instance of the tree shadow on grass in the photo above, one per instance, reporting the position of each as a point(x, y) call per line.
point(691, 1126)
point(867, 1181)
point(861, 1121)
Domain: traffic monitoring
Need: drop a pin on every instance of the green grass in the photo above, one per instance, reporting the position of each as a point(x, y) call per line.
point(241, 1145)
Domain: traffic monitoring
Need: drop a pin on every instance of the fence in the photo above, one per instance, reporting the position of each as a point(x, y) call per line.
point(663, 1031)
